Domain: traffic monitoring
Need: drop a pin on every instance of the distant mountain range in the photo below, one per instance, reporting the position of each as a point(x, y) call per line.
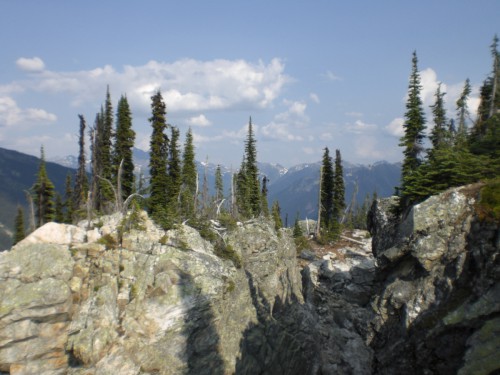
point(295, 188)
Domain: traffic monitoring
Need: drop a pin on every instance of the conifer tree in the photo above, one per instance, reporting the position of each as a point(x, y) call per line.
point(81, 181)
point(276, 214)
point(123, 148)
point(68, 201)
point(106, 149)
point(219, 184)
point(463, 115)
point(159, 147)
point(59, 209)
point(326, 193)
point(189, 177)
point(252, 172)
point(19, 233)
point(43, 191)
point(413, 137)
point(338, 190)
point(242, 202)
point(439, 136)
point(174, 172)
point(264, 204)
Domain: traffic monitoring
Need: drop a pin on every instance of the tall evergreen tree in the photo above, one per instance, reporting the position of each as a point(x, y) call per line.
point(338, 189)
point(276, 214)
point(439, 133)
point(95, 134)
point(59, 209)
point(264, 204)
point(326, 193)
point(414, 133)
point(123, 147)
point(19, 233)
point(189, 177)
point(252, 172)
point(242, 202)
point(463, 115)
point(219, 184)
point(43, 191)
point(81, 181)
point(105, 150)
point(159, 146)
point(174, 172)
point(68, 201)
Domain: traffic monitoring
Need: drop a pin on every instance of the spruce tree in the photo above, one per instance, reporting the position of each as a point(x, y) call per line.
point(439, 133)
point(174, 172)
point(242, 201)
point(59, 209)
point(326, 194)
point(19, 233)
point(463, 115)
point(414, 134)
point(189, 177)
point(219, 184)
point(81, 182)
point(264, 202)
point(123, 148)
point(69, 205)
point(159, 145)
point(43, 194)
point(338, 190)
point(252, 172)
point(276, 214)
point(105, 149)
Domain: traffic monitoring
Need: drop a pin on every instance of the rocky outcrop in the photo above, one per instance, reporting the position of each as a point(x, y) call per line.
point(437, 296)
point(338, 288)
point(86, 301)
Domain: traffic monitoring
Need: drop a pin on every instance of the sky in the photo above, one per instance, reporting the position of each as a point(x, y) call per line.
point(310, 74)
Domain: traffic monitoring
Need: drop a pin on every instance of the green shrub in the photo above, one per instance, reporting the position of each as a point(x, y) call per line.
point(109, 241)
point(489, 202)
point(301, 243)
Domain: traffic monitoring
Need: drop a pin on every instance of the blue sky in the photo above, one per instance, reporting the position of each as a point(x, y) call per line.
point(310, 73)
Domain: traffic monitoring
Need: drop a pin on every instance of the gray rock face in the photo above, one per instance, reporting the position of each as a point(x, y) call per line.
point(75, 302)
point(438, 294)
point(338, 289)
point(424, 300)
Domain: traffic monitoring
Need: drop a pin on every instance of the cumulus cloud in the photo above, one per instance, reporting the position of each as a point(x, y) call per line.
point(278, 131)
point(187, 85)
point(314, 97)
point(360, 127)
point(34, 64)
point(200, 120)
point(366, 147)
point(11, 114)
point(295, 114)
point(395, 127)
point(326, 136)
point(331, 76)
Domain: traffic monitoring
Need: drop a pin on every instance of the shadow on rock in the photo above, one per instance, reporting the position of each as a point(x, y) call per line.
point(280, 342)
point(202, 343)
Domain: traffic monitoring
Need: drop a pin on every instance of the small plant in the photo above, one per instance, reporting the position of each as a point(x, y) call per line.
point(164, 239)
point(226, 251)
point(301, 243)
point(134, 291)
point(489, 202)
point(108, 241)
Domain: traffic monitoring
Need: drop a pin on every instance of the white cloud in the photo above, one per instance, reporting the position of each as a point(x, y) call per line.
point(354, 114)
point(34, 64)
point(326, 136)
point(200, 120)
point(360, 127)
point(331, 76)
point(309, 150)
point(11, 114)
point(314, 97)
point(187, 85)
point(278, 131)
point(295, 115)
point(395, 127)
point(366, 147)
